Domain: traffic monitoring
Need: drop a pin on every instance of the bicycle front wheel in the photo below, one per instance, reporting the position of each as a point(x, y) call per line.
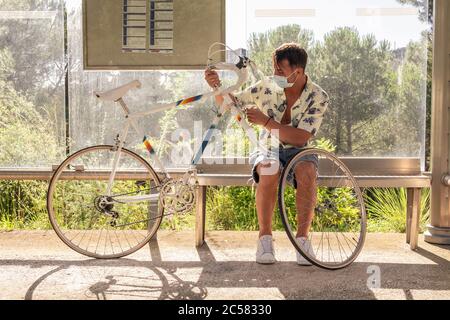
point(98, 223)
point(322, 209)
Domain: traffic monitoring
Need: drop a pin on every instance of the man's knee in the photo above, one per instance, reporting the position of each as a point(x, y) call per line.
point(268, 173)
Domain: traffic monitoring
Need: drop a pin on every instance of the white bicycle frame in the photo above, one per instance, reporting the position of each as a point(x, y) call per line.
point(242, 72)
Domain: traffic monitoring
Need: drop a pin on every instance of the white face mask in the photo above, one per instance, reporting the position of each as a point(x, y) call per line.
point(282, 81)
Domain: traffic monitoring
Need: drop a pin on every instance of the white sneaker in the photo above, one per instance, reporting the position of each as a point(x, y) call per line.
point(306, 244)
point(266, 252)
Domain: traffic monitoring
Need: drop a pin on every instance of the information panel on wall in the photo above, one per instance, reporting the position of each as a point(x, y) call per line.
point(150, 34)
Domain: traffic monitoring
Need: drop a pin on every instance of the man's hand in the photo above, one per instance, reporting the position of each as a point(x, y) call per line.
point(212, 78)
point(255, 116)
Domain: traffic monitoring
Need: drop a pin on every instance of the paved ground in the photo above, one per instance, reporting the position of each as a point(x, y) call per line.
point(37, 265)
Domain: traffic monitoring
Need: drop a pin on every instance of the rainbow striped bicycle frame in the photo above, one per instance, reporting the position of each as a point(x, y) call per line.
point(116, 95)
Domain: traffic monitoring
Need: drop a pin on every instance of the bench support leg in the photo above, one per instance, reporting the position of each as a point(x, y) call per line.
point(200, 216)
point(409, 206)
point(413, 216)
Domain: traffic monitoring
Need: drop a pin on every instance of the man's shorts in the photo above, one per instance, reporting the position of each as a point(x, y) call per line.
point(283, 157)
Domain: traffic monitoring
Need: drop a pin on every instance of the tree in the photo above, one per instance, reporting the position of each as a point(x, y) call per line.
point(426, 11)
point(26, 138)
point(360, 75)
point(35, 48)
point(355, 71)
point(412, 97)
point(425, 8)
point(262, 45)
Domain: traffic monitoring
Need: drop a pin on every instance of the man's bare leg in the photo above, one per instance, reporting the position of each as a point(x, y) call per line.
point(306, 196)
point(266, 195)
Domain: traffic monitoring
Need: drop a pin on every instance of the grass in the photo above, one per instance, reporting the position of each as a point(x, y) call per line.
point(386, 209)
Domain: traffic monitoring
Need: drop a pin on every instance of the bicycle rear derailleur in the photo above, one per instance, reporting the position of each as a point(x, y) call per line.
point(104, 205)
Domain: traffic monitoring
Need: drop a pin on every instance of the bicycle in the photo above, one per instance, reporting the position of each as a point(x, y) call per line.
point(107, 201)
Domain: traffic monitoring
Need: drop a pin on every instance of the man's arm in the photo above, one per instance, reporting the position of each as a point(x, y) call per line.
point(307, 124)
point(285, 133)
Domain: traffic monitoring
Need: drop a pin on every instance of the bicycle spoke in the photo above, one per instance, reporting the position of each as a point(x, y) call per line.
point(98, 241)
point(118, 240)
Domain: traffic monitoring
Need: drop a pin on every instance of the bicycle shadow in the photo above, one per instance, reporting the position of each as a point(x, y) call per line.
point(119, 284)
point(166, 280)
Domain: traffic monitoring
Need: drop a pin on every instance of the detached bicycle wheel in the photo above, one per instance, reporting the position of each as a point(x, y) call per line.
point(324, 217)
point(94, 222)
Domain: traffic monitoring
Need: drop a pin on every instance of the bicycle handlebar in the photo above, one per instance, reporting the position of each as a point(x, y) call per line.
point(241, 71)
point(240, 68)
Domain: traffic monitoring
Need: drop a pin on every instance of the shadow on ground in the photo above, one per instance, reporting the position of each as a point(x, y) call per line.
point(159, 279)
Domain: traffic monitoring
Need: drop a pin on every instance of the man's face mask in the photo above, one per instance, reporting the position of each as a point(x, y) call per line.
point(282, 81)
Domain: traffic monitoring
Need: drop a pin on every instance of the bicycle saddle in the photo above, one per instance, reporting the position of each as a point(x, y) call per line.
point(116, 94)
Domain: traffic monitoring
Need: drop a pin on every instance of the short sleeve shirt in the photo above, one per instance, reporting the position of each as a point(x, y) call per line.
point(306, 113)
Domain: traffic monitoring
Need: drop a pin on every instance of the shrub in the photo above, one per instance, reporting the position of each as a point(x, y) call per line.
point(386, 209)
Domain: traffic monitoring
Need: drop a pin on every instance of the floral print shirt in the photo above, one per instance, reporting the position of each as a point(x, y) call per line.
point(306, 113)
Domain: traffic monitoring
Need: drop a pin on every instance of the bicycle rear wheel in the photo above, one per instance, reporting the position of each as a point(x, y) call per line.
point(93, 222)
point(328, 210)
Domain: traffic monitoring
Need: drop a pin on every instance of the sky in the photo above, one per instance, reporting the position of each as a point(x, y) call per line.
point(398, 27)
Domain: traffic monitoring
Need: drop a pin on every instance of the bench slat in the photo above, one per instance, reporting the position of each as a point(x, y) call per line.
point(376, 166)
point(421, 181)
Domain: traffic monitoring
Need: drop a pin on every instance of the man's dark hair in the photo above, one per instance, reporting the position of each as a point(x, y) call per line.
point(295, 55)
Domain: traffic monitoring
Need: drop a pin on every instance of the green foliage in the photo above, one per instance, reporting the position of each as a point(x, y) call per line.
point(324, 144)
point(24, 207)
point(26, 138)
point(377, 90)
point(386, 209)
point(360, 88)
point(35, 48)
point(228, 208)
point(336, 210)
point(177, 223)
point(231, 208)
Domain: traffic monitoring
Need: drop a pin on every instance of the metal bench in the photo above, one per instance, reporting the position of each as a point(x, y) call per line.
point(368, 171)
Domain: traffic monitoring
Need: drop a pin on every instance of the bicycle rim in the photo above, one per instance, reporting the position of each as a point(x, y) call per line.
point(336, 231)
point(73, 203)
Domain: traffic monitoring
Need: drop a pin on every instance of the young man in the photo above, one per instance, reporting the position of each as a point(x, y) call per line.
point(290, 107)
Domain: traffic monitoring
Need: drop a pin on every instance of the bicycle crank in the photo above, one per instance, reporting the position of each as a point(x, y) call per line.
point(177, 197)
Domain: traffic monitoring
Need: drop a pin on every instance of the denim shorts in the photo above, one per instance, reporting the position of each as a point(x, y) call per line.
point(283, 157)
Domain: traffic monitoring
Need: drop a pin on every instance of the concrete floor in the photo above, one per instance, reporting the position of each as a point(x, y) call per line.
point(37, 265)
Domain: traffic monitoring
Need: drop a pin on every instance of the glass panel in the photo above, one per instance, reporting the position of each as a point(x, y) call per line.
point(94, 122)
point(32, 80)
point(369, 56)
